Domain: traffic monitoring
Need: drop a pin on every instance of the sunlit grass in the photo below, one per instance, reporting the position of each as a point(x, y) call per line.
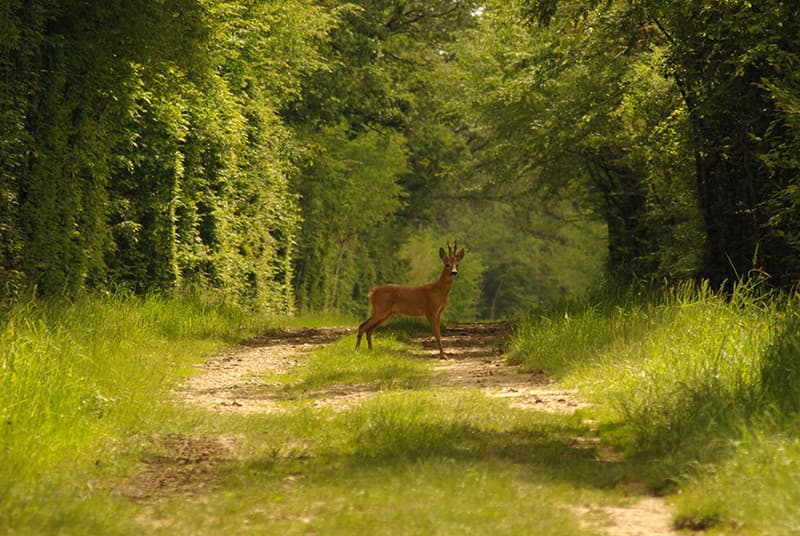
point(389, 365)
point(430, 461)
point(696, 385)
point(77, 378)
point(754, 490)
point(86, 390)
point(698, 389)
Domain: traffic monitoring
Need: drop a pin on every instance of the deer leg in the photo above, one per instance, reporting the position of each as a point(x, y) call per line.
point(377, 323)
point(437, 332)
point(361, 331)
point(367, 327)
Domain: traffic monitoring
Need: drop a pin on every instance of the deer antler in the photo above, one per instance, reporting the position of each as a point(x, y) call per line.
point(452, 251)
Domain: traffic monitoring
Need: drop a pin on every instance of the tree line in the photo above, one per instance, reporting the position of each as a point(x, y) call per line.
point(675, 123)
point(292, 154)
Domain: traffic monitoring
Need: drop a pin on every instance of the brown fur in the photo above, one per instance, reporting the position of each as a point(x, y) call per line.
point(427, 300)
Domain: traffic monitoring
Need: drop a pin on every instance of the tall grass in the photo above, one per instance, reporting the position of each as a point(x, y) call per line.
point(76, 377)
point(697, 383)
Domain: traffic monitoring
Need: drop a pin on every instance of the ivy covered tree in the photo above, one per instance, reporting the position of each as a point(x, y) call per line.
point(142, 146)
point(210, 203)
point(66, 68)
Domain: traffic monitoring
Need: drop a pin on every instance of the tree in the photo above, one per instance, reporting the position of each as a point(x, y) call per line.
point(728, 59)
point(573, 123)
point(351, 194)
point(359, 183)
point(141, 145)
point(215, 148)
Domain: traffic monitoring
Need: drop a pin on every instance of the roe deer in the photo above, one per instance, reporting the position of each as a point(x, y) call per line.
point(428, 300)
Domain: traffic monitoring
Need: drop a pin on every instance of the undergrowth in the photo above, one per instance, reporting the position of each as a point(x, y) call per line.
point(76, 378)
point(697, 385)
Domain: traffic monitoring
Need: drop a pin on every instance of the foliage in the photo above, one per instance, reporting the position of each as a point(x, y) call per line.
point(143, 147)
point(231, 137)
point(733, 64)
point(465, 154)
point(361, 185)
point(282, 152)
point(350, 198)
point(580, 112)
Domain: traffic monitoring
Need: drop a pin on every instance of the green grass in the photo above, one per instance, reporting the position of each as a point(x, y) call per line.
point(421, 462)
point(700, 389)
point(85, 398)
point(389, 366)
point(79, 382)
point(755, 488)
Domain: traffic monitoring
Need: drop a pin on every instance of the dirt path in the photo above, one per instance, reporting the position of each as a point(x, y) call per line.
point(233, 382)
point(476, 360)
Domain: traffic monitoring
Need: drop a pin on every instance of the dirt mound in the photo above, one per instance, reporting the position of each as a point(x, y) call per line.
point(476, 359)
point(232, 381)
point(178, 464)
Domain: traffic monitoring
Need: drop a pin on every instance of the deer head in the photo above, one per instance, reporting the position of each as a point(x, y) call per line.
point(452, 257)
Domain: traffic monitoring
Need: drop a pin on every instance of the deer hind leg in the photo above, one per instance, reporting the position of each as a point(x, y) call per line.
point(361, 331)
point(368, 325)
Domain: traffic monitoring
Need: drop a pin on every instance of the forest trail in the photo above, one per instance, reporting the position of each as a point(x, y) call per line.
point(233, 382)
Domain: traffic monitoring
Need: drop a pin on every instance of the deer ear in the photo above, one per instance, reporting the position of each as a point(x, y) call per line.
point(442, 254)
point(461, 254)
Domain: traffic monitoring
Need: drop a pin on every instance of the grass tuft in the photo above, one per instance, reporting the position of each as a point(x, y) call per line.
point(388, 366)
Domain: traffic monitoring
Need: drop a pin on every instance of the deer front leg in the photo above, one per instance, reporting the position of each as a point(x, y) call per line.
point(437, 332)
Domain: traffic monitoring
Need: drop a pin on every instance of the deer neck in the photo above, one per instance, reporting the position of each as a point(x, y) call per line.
point(445, 281)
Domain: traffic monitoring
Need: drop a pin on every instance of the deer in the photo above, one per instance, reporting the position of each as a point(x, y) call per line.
point(428, 300)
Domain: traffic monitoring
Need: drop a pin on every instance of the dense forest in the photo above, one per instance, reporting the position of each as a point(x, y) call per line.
point(291, 154)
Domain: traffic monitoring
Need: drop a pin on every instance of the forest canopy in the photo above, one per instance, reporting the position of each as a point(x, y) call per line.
point(290, 155)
